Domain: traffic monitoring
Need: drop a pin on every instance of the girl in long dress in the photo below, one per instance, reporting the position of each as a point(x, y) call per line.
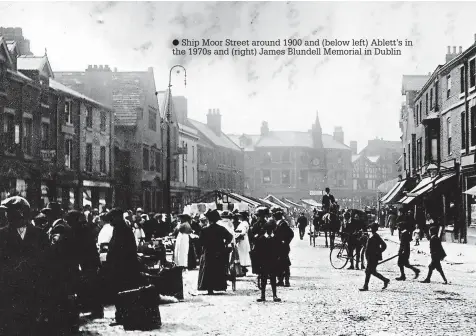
point(242, 241)
point(182, 243)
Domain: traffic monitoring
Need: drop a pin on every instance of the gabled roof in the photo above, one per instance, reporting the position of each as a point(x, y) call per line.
point(218, 140)
point(297, 139)
point(373, 158)
point(12, 45)
point(413, 82)
point(38, 63)
point(4, 46)
point(62, 88)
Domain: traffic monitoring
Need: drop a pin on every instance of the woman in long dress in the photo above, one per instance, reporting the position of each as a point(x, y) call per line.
point(182, 243)
point(242, 241)
point(214, 240)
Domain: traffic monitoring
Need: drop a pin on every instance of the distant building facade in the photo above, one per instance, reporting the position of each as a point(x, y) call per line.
point(296, 165)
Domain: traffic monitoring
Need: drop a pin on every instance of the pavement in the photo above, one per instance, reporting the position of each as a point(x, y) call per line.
point(324, 301)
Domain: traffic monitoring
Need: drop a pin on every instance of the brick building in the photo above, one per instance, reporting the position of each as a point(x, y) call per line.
point(296, 165)
point(220, 160)
point(137, 133)
point(43, 131)
point(440, 140)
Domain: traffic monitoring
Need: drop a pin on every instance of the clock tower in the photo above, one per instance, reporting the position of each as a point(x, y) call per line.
point(317, 164)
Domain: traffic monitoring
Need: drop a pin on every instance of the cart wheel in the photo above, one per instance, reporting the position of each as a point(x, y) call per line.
point(339, 256)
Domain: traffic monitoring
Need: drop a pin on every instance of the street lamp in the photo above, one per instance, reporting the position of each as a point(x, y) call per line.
point(432, 169)
point(168, 121)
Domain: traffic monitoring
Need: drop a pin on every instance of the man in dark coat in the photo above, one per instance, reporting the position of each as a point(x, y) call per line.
point(268, 255)
point(257, 228)
point(302, 223)
point(375, 247)
point(327, 200)
point(23, 274)
point(404, 252)
point(121, 269)
point(354, 231)
point(150, 227)
point(284, 235)
point(213, 239)
point(437, 255)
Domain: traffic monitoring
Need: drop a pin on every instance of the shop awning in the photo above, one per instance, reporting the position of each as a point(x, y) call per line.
point(277, 201)
point(311, 202)
point(396, 193)
point(269, 203)
point(426, 185)
point(387, 186)
point(292, 203)
point(391, 192)
point(471, 191)
point(244, 199)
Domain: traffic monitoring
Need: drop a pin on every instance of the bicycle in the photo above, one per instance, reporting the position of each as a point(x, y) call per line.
point(339, 255)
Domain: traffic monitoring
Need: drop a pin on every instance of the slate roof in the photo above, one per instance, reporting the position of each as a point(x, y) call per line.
point(218, 140)
point(128, 92)
point(250, 146)
point(31, 62)
point(63, 88)
point(413, 82)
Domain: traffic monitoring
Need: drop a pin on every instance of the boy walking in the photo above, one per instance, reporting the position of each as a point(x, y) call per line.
point(267, 253)
point(404, 253)
point(437, 255)
point(373, 253)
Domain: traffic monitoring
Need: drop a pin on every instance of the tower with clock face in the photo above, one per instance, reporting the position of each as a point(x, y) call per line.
point(317, 158)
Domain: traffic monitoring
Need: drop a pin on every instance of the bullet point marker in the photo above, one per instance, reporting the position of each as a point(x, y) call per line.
point(175, 42)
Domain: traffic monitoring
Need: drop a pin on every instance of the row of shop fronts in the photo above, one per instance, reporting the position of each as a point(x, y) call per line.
point(446, 191)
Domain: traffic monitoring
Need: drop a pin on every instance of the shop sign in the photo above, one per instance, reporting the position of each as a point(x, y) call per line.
point(47, 154)
point(315, 193)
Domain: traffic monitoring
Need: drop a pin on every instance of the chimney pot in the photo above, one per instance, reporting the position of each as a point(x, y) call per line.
point(100, 67)
point(95, 66)
point(449, 48)
point(460, 49)
point(454, 50)
point(209, 111)
point(90, 67)
point(106, 67)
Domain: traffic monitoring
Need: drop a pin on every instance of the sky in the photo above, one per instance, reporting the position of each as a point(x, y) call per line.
point(360, 94)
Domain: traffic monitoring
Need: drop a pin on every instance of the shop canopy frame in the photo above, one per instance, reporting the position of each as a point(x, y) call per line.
point(277, 201)
point(426, 185)
point(293, 203)
point(395, 194)
point(214, 195)
point(312, 203)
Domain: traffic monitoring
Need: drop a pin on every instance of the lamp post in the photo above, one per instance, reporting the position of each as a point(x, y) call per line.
point(168, 121)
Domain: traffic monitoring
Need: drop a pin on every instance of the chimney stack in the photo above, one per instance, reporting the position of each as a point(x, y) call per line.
point(353, 147)
point(214, 121)
point(106, 68)
point(264, 128)
point(100, 68)
point(460, 49)
point(450, 55)
point(449, 50)
point(95, 67)
point(338, 134)
point(454, 50)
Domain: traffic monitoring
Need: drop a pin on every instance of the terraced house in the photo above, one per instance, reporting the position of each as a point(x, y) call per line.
point(439, 144)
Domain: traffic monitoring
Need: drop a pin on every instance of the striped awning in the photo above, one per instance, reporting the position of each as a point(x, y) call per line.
point(425, 185)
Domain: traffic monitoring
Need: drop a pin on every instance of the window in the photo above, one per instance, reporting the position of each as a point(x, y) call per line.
point(145, 158)
point(431, 99)
point(448, 128)
point(436, 96)
point(286, 155)
point(193, 175)
point(157, 161)
point(285, 177)
point(426, 104)
point(473, 125)
point(193, 154)
point(409, 158)
point(416, 115)
point(152, 120)
point(102, 126)
point(448, 86)
point(303, 176)
point(68, 118)
point(266, 176)
point(45, 136)
point(267, 157)
point(185, 174)
point(419, 153)
point(421, 112)
point(89, 157)
point(472, 73)
point(27, 135)
point(89, 117)
point(462, 78)
point(102, 161)
point(9, 132)
point(463, 130)
point(68, 150)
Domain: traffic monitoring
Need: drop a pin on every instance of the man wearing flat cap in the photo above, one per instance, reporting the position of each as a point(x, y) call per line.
point(22, 274)
point(213, 239)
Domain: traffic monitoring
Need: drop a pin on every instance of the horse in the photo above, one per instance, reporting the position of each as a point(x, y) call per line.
point(331, 224)
point(357, 238)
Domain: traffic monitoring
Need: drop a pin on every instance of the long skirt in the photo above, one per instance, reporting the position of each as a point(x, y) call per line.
point(192, 256)
point(182, 246)
point(243, 248)
point(212, 274)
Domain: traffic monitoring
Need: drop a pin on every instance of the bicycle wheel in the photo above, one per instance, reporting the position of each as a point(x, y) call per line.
point(339, 256)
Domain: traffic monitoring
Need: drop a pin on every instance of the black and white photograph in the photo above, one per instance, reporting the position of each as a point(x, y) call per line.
point(245, 168)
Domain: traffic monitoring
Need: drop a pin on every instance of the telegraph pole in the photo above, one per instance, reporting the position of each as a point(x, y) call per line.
point(168, 121)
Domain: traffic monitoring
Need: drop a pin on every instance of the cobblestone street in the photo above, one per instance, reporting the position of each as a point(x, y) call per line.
point(325, 301)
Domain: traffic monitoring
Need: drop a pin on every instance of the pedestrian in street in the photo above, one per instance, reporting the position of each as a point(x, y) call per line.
point(302, 224)
point(404, 253)
point(401, 221)
point(437, 255)
point(284, 235)
point(267, 253)
point(373, 253)
point(429, 223)
point(23, 273)
point(392, 221)
point(182, 243)
point(242, 241)
point(214, 240)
